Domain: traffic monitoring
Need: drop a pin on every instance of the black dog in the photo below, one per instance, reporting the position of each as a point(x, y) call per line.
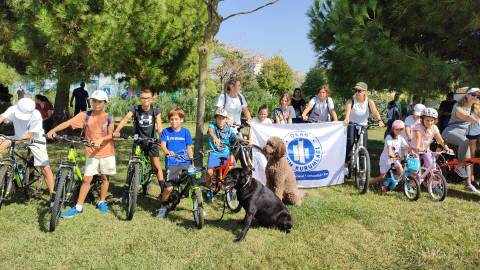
point(258, 201)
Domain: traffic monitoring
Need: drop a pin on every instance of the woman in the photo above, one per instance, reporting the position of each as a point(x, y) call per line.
point(43, 105)
point(285, 113)
point(357, 111)
point(322, 105)
point(233, 102)
point(456, 133)
point(298, 103)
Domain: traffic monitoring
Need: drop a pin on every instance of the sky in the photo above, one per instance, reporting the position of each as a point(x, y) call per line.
point(279, 29)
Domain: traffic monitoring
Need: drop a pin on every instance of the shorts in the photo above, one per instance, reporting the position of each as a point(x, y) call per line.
point(473, 137)
point(173, 174)
point(150, 149)
point(385, 165)
point(40, 155)
point(104, 166)
point(216, 160)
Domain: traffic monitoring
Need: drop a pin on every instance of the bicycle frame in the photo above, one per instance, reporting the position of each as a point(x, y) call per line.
point(138, 156)
point(223, 169)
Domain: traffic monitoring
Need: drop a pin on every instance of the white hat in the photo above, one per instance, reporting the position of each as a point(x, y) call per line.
point(24, 109)
point(473, 91)
point(99, 95)
point(418, 109)
point(221, 112)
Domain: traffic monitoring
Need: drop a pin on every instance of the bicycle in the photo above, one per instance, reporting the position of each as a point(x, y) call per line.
point(408, 180)
point(139, 174)
point(189, 182)
point(14, 175)
point(435, 181)
point(359, 163)
point(241, 149)
point(68, 178)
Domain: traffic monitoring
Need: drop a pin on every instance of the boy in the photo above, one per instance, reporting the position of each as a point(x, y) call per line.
point(27, 122)
point(98, 129)
point(146, 120)
point(220, 137)
point(174, 140)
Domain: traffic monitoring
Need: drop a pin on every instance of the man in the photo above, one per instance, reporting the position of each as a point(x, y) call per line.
point(81, 99)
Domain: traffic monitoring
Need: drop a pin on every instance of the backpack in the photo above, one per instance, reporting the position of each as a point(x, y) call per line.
point(328, 108)
point(88, 114)
point(225, 99)
point(154, 118)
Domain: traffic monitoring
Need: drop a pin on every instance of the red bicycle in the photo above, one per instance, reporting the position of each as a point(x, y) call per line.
point(220, 190)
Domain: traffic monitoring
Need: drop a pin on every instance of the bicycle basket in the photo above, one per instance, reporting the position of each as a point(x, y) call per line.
point(413, 165)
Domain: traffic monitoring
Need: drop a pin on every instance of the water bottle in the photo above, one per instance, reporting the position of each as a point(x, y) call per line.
point(21, 171)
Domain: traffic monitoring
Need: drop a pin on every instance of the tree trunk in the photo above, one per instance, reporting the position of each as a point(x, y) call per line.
point(61, 99)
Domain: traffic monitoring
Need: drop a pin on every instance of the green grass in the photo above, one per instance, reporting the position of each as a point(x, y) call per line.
point(335, 228)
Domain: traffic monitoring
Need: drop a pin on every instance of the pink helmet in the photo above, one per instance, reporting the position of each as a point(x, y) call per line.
point(398, 124)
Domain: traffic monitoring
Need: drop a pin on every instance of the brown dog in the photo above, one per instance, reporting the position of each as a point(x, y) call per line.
point(280, 177)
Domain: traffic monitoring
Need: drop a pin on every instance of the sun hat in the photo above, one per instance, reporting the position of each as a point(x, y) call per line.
point(418, 109)
point(24, 109)
point(361, 86)
point(99, 95)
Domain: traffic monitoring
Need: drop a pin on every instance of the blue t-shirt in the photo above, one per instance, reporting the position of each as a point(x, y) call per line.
point(226, 135)
point(177, 142)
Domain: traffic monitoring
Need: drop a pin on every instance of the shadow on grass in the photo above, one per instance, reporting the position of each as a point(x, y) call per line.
point(464, 195)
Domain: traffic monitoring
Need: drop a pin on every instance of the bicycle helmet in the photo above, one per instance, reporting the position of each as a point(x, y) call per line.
point(430, 112)
point(221, 112)
point(418, 109)
point(398, 124)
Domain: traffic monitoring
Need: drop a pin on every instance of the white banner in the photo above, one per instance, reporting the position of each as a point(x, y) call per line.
point(315, 151)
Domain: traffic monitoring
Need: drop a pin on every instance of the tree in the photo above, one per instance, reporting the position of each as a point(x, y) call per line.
point(406, 45)
point(210, 30)
point(276, 76)
point(315, 78)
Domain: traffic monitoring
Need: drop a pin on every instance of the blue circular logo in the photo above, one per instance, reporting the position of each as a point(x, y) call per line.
point(304, 150)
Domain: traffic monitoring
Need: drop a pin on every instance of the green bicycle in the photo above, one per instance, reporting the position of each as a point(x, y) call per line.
point(15, 175)
point(68, 179)
point(139, 174)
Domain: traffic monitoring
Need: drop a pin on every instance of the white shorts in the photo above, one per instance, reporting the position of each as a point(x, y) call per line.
point(385, 165)
point(40, 155)
point(106, 166)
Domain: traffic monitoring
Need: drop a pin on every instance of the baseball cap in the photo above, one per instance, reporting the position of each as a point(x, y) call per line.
point(473, 91)
point(361, 86)
point(99, 95)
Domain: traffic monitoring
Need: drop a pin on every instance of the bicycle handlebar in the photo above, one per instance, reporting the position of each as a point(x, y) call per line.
point(72, 139)
point(26, 141)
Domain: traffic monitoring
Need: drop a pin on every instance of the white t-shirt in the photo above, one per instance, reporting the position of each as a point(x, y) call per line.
point(474, 129)
point(233, 106)
point(360, 112)
point(34, 124)
point(410, 122)
point(265, 121)
point(396, 144)
point(321, 109)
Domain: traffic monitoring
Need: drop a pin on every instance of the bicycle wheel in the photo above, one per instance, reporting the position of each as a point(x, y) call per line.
point(362, 170)
point(134, 182)
point(4, 179)
point(33, 184)
point(411, 188)
point(437, 187)
point(232, 201)
point(60, 193)
point(198, 211)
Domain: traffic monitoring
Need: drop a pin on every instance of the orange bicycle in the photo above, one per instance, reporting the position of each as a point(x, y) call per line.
point(219, 188)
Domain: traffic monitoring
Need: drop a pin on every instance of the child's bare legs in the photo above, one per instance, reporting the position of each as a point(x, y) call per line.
point(473, 150)
point(156, 165)
point(208, 179)
point(84, 188)
point(104, 187)
point(4, 145)
point(48, 175)
point(377, 179)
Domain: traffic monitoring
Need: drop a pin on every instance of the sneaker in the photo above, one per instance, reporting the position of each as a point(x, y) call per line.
point(71, 213)
point(471, 188)
point(209, 196)
point(162, 212)
point(103, 207)
point(461, 172)
point(475, 184)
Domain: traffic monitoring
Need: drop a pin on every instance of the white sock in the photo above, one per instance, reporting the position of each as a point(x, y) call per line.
point(100, 202)
point(79, 207)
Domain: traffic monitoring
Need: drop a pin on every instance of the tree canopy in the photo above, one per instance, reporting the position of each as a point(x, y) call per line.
point(276, 76)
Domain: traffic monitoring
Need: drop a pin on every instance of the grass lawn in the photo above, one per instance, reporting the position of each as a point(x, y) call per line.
point(335, 228)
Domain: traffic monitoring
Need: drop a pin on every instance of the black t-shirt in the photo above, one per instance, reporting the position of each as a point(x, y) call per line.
point(81, 96)
point(297, 105)
point(446, 106)
point(144, 121)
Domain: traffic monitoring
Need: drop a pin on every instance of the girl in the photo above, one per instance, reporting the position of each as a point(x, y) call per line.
point(285, 113)
point(424, 132)
point(260, 119)
point(395, 143)
point(298, 103)
point(322, 105)
point(456, 133)
point(474, 132)
point(411, 121)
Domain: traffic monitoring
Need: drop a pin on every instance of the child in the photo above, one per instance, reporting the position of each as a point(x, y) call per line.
point(174, 140)
point(411, 121)
point(147, 122)
point(98, 129)
point(284, 114)
point(424, 132)
point(220, 137)
point(27, 123)
point(262, 118)
point(393, 147)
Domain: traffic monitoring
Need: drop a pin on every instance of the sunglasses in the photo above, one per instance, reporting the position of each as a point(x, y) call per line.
point(359, 91)
point(475, 95)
